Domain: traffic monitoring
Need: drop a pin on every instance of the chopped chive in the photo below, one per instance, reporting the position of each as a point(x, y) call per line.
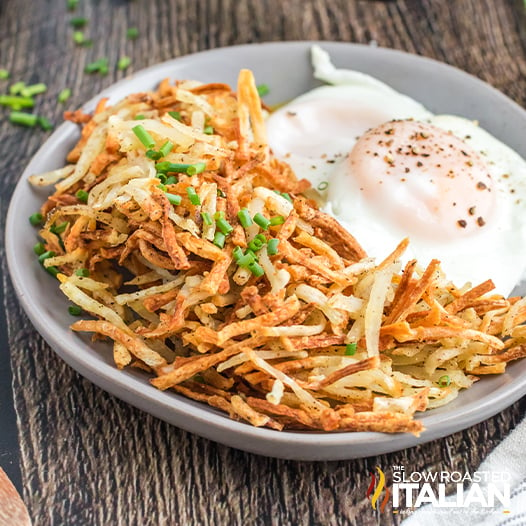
point(209, 130)
point(255, 245)
point(166, 148)
point(16, 102)
point(74, 310)
point(52, 270)
point(17, 87)
point(256, 269)
point(277, 220)
point(153, 154)
point(72, 4)
point(59, 229)
point(175, 115)
point(139, 118)
point(207, 220)
point(46, 255)
point(44, 123)
point(196, 168)
point(39, 249)
point(4, 74)
point(132, 33)
point(262, 221)
point(174, 199)
point(224, 225)
point(245, 260)
point(82, 196)
point(143, 136)
point(220, 193)
point(237, 253)
point(161, 178)
point(64, 95)
point(323, 186)
point(219, 239)
point(192, 195)
point(350, 349)
point(123, 63)
point(99, 66)
point(272, 246)
point(171, 180)
point(263, 90)
point(444, 381)
point(82, 272)
point(34, 89)
point(163, 187)
point(244, 218)
point(80, 39)
point(78, 21)
point(286, 196)
point(36, 219)
point(261, 237)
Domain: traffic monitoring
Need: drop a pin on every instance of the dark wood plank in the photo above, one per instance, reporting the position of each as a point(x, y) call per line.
point(88, 458)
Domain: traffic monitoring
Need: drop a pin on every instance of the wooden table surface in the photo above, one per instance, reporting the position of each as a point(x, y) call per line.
point(80, 456)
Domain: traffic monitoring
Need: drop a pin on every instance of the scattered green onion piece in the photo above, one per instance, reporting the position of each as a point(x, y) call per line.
point(245, 260)
point(219, 239)
point(163, 187)
point(74, 310)
point(262, 221)
point(444, 381)
point(46, 255)
point(224, 226)
point(255, 245)
point(4, 74)
point(72, 4)
point(17, 88)
point(78, 21)
point(286, 196)
point(192, 195)
point(80, 39)
point(44, 123)
point(350, 349)
point(207, 220)
point(139, 118)
point(123, 63)
point(256, 269)
point(16, 102)
point(166, 148)
point(209, 130)
point(39, 249)
point(252, 254)
point(143, 136)
point(175, 115)
point(277, 220)
point(323, 186)
point(34, 89)
point(82, 272)
point(99, 66)
point(82, 196)
point(219, 214)
point(272, 246)
point(244, 218)
point(237, 253)
point(153, 154)
point(167, 167)
point(64, 95)
point(171, 180)
point(52, 270)
point(132, 33)
point(174, 199)
point(263, 90)
point(220, 193)
point(196, 168)
point(36, 219)
point(59, 229)
point(261, 237)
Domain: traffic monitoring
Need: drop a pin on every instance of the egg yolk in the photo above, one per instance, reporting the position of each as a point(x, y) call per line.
point(424, 180)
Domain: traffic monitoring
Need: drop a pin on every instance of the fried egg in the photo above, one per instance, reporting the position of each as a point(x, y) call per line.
point(387, 168)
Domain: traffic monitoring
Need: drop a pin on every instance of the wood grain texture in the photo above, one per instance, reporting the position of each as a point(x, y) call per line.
point(90, 459)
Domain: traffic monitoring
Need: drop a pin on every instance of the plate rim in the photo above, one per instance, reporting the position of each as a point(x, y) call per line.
point(128, 388)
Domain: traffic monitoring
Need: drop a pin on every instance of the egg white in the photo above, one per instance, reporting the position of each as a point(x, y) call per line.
point(316, 132)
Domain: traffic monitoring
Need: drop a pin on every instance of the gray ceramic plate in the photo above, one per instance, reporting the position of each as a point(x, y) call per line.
point(286, 69)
